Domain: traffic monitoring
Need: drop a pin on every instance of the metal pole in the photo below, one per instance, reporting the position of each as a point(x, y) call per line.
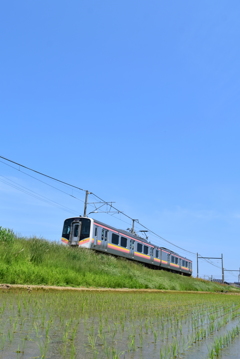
point(132, 229)
point(222, 270)
point(197, 265)
point(85, 204)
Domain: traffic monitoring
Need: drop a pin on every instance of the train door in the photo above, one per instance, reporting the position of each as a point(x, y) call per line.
point(160, 256)
point(168, 259)
point(104, 238)
point(75, 233)
point(151, 254)
point(96, 229)
point(132, 247)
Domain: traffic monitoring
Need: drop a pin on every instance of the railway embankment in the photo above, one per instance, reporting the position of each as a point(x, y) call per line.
point(35, 261)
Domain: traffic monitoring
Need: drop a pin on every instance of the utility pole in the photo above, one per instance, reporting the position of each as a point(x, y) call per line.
point(197, 265)
point(85, 203)
point(212, 258)
point(132, 229)
point(222, 270)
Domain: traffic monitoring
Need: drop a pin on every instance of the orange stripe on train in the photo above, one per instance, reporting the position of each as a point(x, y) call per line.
point(141, 255)
point(121, 249)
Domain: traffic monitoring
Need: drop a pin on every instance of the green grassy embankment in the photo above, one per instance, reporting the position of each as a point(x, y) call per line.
point(39, 262)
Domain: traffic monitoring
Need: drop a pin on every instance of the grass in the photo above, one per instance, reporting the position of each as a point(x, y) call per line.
point(39, 262)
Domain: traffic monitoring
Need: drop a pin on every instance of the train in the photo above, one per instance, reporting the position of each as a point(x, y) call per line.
point(90, 233)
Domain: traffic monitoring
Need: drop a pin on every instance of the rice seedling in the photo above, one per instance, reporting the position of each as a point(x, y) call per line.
point(110, 325)
point(223, 341)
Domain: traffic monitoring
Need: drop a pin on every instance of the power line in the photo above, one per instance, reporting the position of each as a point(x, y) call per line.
point(68, 184)
point(102, 200)
point(42, 174)
point(119, 212)
point(32, 193)
point(47, 184)
point(149, 230)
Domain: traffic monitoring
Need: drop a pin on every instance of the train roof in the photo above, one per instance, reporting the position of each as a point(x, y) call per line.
point(123, 231)
point(128, 233)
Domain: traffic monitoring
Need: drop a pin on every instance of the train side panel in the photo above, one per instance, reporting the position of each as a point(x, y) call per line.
point(88, 233)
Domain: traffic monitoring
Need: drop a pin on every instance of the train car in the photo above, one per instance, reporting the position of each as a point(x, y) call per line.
point(92, 234)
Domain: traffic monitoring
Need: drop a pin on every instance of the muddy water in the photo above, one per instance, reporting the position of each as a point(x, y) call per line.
point(108, 325)
point(233, 352)
point(201, 349)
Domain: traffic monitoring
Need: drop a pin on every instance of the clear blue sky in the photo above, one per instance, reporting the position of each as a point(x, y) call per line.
point(135, 101)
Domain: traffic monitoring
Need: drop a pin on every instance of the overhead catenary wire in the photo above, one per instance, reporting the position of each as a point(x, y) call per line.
point(99, 198)
point(42, 174)
point(32, 193)
point(63, 182)
point(47, 184)
point(113, 207)
point(149, 230)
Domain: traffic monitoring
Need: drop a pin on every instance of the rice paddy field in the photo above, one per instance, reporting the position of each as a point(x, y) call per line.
point(112, 324)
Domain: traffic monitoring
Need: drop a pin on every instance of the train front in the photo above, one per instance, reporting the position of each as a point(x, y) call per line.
point(77, 232)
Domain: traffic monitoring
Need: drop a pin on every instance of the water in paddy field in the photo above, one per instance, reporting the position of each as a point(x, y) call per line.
point(201, 349)
point(233, 352)
point(91, 325)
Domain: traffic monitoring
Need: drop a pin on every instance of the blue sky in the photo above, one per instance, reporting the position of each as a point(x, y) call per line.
point(135, 101)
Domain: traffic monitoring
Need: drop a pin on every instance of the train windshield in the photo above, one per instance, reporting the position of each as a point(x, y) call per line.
point(85, 227)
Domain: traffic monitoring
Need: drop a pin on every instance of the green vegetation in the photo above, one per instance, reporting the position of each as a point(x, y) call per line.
point(37, 261)
point(223, 342)
point(115, 325)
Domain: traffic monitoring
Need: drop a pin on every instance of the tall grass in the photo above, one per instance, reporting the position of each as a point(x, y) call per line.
point(37, 261)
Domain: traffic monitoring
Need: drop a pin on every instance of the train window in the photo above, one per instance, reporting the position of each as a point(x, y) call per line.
point(95, 231)
point(67, 227)
point(115, 238)
point(172, 259)
point(123, 242)
point(76, 230)
point(85, 230)
point(186, 264)
point(139, 247)
point(145, 249)
point(106, 235)
point(156, 253)
point(102, 235)
point(176, 260)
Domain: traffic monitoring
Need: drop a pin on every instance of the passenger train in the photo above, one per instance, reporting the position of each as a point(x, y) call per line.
point(89, 233)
